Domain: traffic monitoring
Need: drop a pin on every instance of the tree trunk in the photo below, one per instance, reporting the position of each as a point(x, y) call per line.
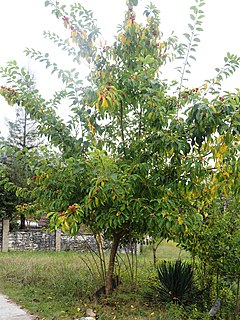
point(154, 248)
point(113, 252)
point(154, 256)
point(22, 222)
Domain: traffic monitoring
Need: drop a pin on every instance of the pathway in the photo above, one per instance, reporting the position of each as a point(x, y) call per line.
point(10, 311)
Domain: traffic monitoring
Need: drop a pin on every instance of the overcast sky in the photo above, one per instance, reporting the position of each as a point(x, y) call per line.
point(22, 23)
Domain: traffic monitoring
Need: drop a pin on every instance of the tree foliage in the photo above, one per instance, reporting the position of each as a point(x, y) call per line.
point(139, 154)
point(15, 154)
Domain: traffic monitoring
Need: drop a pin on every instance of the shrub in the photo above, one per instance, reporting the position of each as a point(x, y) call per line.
point(174, 283)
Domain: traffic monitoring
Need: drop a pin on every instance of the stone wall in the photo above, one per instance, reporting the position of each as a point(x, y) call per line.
point(31, 240)
point(79, 243)
point(40, 240)
point(37, 239)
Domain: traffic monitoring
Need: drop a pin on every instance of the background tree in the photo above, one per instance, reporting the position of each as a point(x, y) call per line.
point(147, 150)
point(22, 137)
point(8, 198)
point(22, 132)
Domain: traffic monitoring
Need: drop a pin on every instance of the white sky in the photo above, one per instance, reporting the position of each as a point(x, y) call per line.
point(22, 23)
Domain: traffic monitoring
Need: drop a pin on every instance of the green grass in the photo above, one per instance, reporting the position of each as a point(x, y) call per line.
point(58, 285)
point(166, 250)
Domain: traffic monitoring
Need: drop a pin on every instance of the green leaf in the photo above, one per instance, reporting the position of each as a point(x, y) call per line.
point(192, 57)
point(149, 59)
point(190, 27)
point(192, 17)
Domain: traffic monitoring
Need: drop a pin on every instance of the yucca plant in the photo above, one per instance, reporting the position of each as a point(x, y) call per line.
point(174, 283)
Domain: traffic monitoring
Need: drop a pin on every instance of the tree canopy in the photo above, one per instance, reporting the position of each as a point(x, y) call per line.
point(139, 155)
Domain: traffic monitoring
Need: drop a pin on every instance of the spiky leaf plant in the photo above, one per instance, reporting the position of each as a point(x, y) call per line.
point(174, 283)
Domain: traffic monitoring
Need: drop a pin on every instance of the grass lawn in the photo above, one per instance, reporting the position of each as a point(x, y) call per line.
point(58, 285)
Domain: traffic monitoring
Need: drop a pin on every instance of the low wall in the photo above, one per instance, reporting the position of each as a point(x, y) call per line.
point(41, 240)
point(79, 243)
point(37, 239)
point(31, 240)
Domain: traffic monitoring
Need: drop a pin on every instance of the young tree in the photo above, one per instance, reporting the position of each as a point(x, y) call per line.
point(144, 158)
